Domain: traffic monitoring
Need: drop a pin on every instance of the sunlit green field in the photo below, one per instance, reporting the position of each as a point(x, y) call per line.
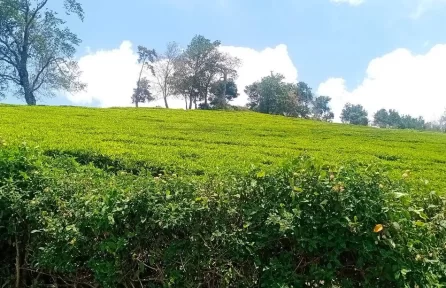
point(218, 141)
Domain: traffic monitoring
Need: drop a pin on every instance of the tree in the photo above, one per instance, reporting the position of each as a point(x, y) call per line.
point(201, 65)
point(196, 68)
point(394, 119)
point(409, 122)
point(305, 99)
point(354, 114)
point(222, 92)
point(321, 109)
point(36, 50)
point(142, 93)
point(164, 69)
point(442, 122)
point(271, 95)
point(381, 118)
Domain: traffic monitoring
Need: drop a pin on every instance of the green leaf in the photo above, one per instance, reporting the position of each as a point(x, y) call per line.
point(297, 189)
point(261, 174)
point(419, 223)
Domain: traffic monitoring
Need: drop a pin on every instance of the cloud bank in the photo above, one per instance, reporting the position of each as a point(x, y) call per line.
point(412, 84)
point(111, 75)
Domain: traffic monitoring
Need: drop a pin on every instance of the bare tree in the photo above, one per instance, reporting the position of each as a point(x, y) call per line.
point(164, 69)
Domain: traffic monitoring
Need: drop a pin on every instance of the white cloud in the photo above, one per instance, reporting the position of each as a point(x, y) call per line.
point(258, 64)
point(111, 74)
point(422, 6)
point(350, 2)
point(412, 84)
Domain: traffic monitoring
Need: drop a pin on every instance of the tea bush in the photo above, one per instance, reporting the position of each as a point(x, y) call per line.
point(304, 224)
point(203, 142)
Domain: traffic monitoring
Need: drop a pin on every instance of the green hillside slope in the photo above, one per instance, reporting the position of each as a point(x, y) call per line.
point(140, 216)
point(201, 141)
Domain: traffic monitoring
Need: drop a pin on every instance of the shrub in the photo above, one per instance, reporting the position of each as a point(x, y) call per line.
point(305, 224)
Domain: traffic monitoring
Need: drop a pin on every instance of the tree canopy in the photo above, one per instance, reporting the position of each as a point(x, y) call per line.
point(199, 67)
point(272, 95)
point(392, 119)
point(354, 114)
point(37, 50)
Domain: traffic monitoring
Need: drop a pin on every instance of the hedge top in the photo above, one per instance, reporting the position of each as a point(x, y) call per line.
point(200, 142)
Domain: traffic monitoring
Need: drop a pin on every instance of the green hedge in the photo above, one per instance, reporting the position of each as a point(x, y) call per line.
point(306, 224)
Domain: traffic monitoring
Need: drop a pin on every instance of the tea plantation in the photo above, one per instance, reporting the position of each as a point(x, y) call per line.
point(200, 142)
point(169, 198)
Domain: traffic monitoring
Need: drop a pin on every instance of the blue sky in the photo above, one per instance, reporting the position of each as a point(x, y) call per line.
point(350, 50)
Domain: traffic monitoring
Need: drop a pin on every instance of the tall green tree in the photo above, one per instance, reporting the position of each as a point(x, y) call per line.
point(321, 109)
point(222, 92)
point(354, 114)
point(142, 93)
point(305, 99)
point(271, 95)
point(409, 122)
point(394, 119)
point(381, 118)
point(196, 68)
point(37, 49)
point(200, 66)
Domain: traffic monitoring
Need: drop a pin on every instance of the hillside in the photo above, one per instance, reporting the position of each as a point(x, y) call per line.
point(140, 216)
point(203, 141)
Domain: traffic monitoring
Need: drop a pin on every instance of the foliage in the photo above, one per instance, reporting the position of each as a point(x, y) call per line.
point(409, 122)
point(36, 50)
point(321, 109)
point(199, 67)
point(304, 99)
point(354, 114)
point(439, 125)
point(199, 142)
point(142, 93)
point(393, 119)
point(222, 92)
point(302, 224)
point(272, 95)
point(381, 118)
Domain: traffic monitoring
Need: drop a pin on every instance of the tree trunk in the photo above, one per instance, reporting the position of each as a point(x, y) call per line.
point(165, 102)
point(29, 95)
point(24, 81)
point(225, 83)
point(195, 103)
point(23, 72)
point(30, 98)
point(136, 104)
point(191, 98)
point(185, 100)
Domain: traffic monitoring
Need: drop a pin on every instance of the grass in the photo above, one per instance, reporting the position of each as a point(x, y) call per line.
point(217, 141)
